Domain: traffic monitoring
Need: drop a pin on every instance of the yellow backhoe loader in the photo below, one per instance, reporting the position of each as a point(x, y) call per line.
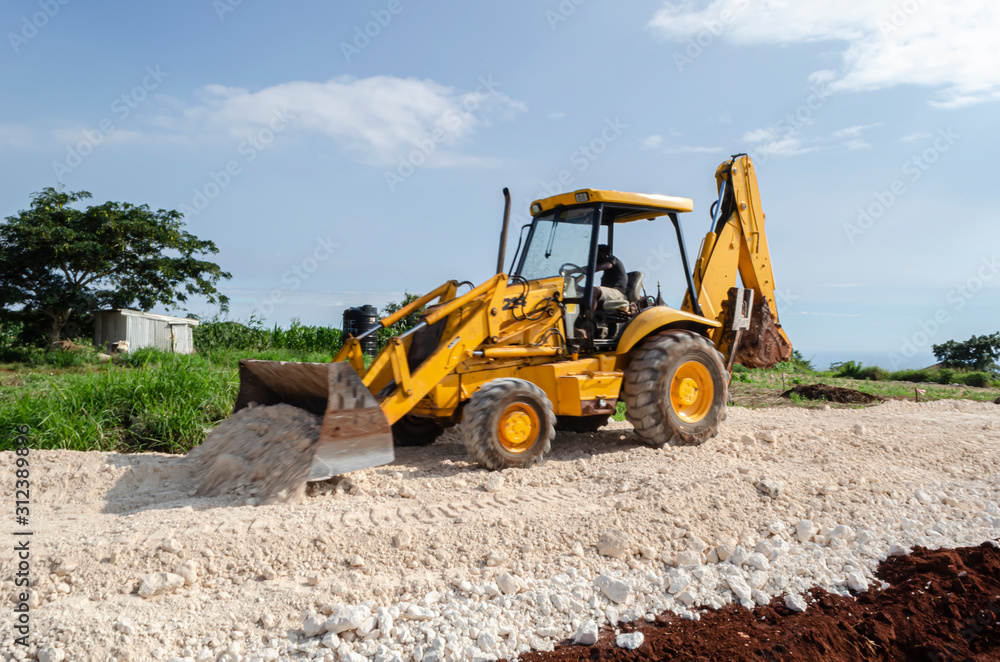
point(529, 351)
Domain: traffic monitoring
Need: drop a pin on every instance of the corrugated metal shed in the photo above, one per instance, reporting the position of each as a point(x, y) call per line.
point(138, 329)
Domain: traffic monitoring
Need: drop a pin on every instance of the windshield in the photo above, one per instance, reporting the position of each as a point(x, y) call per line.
point(551, 244)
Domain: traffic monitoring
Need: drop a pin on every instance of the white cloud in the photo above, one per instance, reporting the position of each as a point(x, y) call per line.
point(15, 135)
point(854, 131)
point(857, 143)
point(773, 141)
point(947, 46)
point(653, 142)
point(557, 116)
point(920, 135)
point(378, 118)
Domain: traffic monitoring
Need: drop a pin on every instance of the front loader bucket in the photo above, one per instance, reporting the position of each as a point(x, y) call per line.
point(355, 433)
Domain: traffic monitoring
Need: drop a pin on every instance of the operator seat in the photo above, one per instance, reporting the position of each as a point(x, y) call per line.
point(633, 292)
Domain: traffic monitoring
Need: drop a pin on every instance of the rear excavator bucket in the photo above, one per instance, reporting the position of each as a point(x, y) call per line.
point(355, 433)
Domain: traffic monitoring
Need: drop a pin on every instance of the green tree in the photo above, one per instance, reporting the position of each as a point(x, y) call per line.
point(977, 353)
point(58, 262)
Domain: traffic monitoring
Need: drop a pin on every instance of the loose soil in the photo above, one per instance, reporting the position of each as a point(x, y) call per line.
point(832, 394)
point(941, 605)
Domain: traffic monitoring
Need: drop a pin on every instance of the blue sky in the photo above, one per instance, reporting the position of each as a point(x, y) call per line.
point(335, 168)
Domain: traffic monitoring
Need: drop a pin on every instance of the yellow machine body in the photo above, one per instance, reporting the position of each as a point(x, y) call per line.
point(509, 327)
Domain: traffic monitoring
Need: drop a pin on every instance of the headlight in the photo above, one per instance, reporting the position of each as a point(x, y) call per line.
point(582, 197)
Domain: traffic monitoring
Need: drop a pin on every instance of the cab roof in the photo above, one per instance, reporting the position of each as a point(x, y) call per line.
point(620, 207)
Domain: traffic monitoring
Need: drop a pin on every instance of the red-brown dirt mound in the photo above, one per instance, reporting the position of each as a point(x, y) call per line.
point(832, 394)
point(942, 606)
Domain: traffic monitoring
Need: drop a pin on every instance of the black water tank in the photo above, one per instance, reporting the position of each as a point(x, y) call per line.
point(361, 320)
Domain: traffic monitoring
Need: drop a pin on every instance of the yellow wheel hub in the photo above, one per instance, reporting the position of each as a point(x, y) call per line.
point(518, 427)
point(692, 392)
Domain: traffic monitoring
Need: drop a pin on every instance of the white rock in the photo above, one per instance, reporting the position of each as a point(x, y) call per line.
point(158, 583)
point(495, 558)
point(171, 545)
point(508, 584)
point(406, 491)
point(403, 538)
point(768, 436)
point(188, 570)
point(487, 642)
point(758, 560)
point(613, 543)
point(857, 582)
point(739, 587)
point(331, 640)
point(418, 613)
point(764, 547)
point(348, 618)
point(688, 558)
point(724, 551)
point(748, 440)
point(355, 561)
point(859, 429)
point(629, 641)
point(494, 483)
point(587, 634)
point(615, 590)
point(795, 602)
point(679, 581)
point(758, 579)
point(385, 620)
point(739, 556)
point(267, 621)
point(64, 569)
point(577, 549)
point(51, 654)
point(313, 624)
point(804, 530)
point(770, 487)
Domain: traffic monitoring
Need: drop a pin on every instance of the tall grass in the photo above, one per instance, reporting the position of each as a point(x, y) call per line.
point(253, 336)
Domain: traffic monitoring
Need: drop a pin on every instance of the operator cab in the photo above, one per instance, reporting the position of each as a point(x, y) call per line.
point(563, 239)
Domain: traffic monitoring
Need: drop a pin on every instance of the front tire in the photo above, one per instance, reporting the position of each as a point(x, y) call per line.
point(508, 423)
point(675, 390)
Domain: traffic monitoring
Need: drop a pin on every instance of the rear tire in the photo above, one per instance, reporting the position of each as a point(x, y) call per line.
point(676, 390)
point(415, 431)
point(582, 423)
point(508, 423)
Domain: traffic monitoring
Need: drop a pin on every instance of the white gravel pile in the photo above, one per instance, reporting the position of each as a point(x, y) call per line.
point(432, 559)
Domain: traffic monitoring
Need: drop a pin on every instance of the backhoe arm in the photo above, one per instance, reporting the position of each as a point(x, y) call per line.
point(737, 245)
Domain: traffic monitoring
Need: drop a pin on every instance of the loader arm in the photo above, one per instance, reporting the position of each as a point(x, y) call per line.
point(737, 245)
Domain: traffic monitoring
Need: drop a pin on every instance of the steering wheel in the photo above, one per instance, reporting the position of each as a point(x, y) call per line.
point(569, 269)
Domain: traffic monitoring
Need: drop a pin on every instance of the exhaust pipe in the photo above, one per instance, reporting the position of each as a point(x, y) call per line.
point(503, 233)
